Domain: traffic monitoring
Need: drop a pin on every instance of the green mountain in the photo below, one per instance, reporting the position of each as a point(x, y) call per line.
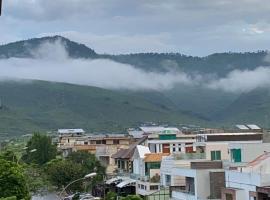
point(40, 106)
point(249, 108)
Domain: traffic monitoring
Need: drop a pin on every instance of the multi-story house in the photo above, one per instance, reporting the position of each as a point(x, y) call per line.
point(103, 146)
point(169, 141)
point(250, 182)
point(202, 180)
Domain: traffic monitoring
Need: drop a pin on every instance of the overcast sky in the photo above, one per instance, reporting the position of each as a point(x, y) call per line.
point(194, 27)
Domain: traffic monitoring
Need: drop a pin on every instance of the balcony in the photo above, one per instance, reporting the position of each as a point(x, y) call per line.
point(180, 192)
point(103, 151)
point(189, 156)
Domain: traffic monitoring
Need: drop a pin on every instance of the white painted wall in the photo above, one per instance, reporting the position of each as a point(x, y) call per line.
point(213, 146)
point(245, 181)
point(202, 184)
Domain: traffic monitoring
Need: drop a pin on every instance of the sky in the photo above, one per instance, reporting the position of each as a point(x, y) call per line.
point(192, 27)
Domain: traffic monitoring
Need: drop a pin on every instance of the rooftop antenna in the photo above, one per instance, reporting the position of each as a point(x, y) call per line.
point(0, 7)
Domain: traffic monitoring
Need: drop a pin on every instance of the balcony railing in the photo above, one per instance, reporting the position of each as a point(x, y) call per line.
point(188, 156)
point(181, 189)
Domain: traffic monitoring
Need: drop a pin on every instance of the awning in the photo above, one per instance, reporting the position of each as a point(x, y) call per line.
point(126, 183)
point(112, 180)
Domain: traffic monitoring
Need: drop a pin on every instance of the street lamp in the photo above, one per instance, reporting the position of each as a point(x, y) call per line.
point(25, 148)
point(85, 177)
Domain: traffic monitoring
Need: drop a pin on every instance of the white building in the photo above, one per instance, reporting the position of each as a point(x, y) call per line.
point(203, 180)
point(250, 182)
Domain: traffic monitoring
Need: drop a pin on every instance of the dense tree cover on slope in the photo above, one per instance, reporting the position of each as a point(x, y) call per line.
point(43, 106)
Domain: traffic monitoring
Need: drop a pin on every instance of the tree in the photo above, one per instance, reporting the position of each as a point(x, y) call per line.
point(89, 164)
point(132, 197)
point(111, 196)
point(9, 156)
point(78, 164)
point(62, 172)
point(39, 149)
point(12, 181)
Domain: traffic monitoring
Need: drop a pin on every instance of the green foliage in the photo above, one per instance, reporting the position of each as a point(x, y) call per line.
point(36, 178)
point(75, 166)
point(62, 172)
point(39, 149)
point(12, 181)
point(42, 106)
point(9, 156)
point(90, 164)
point(111, 196)
point(9, 198)
point(132, 197)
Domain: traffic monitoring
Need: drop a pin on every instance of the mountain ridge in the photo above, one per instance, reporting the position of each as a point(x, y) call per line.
point(180, 104)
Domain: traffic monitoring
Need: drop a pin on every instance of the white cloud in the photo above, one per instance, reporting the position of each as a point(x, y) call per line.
point(51, 63)
point(243, 81)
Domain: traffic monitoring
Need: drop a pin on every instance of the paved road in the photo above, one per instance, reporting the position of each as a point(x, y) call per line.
point(50, 196)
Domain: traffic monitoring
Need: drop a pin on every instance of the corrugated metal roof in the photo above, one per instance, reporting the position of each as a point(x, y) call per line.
point(128, 153)
point(69, 131)
point(152, 129)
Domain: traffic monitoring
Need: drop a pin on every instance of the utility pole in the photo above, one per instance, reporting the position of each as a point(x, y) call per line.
point(0, 7)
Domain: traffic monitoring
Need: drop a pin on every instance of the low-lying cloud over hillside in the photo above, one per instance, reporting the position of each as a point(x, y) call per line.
point(51, 62)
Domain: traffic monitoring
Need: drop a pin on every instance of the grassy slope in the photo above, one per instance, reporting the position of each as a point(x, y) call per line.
point(42, 105)
point(252, 107)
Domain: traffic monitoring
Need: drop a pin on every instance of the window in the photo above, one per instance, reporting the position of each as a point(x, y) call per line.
point(236, 155)
point(215, 155)
point(229, 197)
point(98, 142)
point(86, 143)
point(115, 141)
point(153, 187)
point(168, 180)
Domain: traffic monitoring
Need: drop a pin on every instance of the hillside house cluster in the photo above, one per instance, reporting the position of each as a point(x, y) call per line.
point(166, 163)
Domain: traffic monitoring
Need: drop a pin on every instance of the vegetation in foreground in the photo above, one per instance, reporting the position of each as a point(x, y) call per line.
point(40, 168)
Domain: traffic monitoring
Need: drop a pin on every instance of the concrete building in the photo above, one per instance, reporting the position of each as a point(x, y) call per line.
point(203, 180)
point(148, 179)
point(169, 141)
point(148, 130)
point(103, 146)
point(250, 182)
point(176, 160)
